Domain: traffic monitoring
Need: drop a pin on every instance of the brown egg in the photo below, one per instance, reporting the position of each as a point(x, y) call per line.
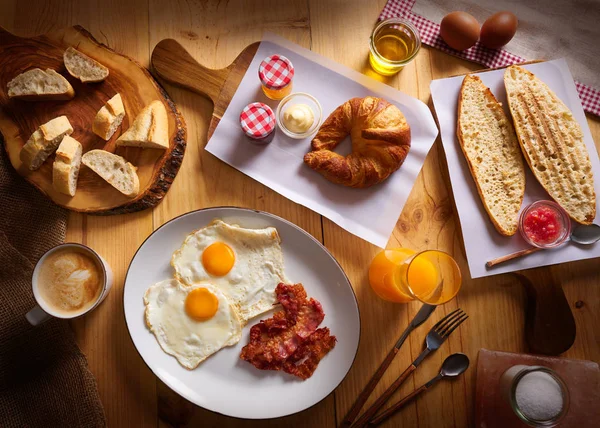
point(460, 30)
point(498, 29)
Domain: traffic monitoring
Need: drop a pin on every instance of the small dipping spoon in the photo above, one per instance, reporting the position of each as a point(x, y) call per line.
point(453, 366)
point(582, 234)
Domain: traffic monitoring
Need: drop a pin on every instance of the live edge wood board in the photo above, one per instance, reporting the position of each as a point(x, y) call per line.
point(19, 119)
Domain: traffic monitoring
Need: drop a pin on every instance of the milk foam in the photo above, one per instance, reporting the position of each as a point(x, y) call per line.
point(70, 281)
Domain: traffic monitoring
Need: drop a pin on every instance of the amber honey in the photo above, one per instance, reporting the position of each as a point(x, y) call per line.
point(394, 43)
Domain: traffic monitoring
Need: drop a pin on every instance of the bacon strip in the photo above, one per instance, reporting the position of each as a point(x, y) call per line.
point(305, 360)
point(290, 340)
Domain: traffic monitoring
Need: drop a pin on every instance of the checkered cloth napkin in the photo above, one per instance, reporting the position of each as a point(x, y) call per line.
point(492, 58)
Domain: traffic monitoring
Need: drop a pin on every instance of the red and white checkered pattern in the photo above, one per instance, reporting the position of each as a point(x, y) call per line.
point(276, 72)
point(257, 120)
point(492, 58)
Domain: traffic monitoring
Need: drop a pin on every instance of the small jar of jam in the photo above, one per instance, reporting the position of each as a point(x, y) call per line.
point(276, 74)
point(545, 224)
point(258, 122)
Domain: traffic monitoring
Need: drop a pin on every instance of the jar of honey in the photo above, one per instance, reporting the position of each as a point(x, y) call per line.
point(258, 122)
point(276, 74)
point(394, 43)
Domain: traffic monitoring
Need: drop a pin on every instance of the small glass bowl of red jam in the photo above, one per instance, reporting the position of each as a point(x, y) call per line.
point(544, 224)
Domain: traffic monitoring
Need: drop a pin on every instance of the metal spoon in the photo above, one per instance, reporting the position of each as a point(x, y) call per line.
point(582, 234)
point(453, 366)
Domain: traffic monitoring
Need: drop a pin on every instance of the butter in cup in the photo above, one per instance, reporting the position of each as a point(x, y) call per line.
point(294, 113)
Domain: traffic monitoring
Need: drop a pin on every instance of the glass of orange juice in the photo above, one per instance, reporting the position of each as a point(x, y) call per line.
point(401, 275)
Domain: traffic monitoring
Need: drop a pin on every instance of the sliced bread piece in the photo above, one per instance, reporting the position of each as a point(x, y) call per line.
point(84, 68)
point(44, 141)
point(489, 143)
point(150, 128)
point(109, 118)
point(552, 142)
point(65, 170)
point(115, 170)
point(37, 84)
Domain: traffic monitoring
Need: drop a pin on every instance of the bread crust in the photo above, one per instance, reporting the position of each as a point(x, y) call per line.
point(552, 117)
point(110, 113)
point(69, 94)
point(380, 143)
point(130, 170)
point(472, 168)
point(152, 135)
point(66, 164)
point(44, 141)
point(74, 52)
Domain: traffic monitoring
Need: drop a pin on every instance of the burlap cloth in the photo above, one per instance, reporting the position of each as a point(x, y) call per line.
point(44, 377)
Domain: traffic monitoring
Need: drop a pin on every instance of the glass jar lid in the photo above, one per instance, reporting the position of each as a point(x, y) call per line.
point(276, 72)
point(257, 120)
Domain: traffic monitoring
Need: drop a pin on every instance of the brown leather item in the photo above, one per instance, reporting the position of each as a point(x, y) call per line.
point(380, 143)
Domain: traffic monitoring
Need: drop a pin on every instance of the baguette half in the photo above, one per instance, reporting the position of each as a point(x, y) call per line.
point(490, 146)
point(44, 141)
point(552, 143)
point(37, 85)
point(150, 128)
point(84, 68)
point(109, 118)
point(115, 170)
point(65, 170)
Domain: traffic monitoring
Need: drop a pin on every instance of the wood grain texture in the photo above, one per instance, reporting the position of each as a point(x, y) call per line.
point(173, 64)
point(214, 33)
point(156, 169)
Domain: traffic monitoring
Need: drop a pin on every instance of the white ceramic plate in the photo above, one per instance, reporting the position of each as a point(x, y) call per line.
point(224, 383)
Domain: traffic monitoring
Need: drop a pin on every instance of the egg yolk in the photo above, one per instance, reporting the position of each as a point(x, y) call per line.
point(218, 259)
point(201, 304)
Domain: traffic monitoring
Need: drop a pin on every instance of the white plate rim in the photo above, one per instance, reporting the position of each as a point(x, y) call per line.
point(289, 223)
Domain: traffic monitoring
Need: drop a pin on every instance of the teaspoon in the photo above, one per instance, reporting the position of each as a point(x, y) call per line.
point(453, 366)
point(582, 234)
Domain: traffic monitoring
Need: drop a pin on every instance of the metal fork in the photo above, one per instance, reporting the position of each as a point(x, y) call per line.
point(436, 336)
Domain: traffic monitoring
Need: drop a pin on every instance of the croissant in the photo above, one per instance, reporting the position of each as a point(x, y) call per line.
point(380, 143)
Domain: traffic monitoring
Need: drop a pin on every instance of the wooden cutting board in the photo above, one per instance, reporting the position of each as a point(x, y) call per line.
point(19, 119)
point(550, 326)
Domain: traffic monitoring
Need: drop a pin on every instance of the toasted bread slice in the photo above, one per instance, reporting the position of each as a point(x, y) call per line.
point(83, 67)
point(65, 170)
point(44, 141)
point(38, 85)
point(150, 128)
point(552, 142)
point(490, 146)
point(109, 118)
point(115, 170)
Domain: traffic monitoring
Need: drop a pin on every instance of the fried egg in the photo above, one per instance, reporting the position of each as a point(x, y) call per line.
point(191, 322)
point(245, 264)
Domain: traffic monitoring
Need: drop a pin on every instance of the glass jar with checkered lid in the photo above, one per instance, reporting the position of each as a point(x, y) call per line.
point(258, 122)
point(276, 74)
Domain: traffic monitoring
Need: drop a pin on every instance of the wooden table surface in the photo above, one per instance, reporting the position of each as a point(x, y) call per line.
point(215, 32)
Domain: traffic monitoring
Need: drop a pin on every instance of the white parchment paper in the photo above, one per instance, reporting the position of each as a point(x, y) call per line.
point(369, 213)
point(482, 241)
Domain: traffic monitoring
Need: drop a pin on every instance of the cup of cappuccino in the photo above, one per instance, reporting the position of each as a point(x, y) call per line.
point(68, 281)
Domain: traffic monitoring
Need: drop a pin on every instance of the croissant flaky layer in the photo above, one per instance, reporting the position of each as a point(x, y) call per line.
point(380, 143)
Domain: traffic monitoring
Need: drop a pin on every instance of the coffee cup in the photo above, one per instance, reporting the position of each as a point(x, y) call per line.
point(68, 281)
